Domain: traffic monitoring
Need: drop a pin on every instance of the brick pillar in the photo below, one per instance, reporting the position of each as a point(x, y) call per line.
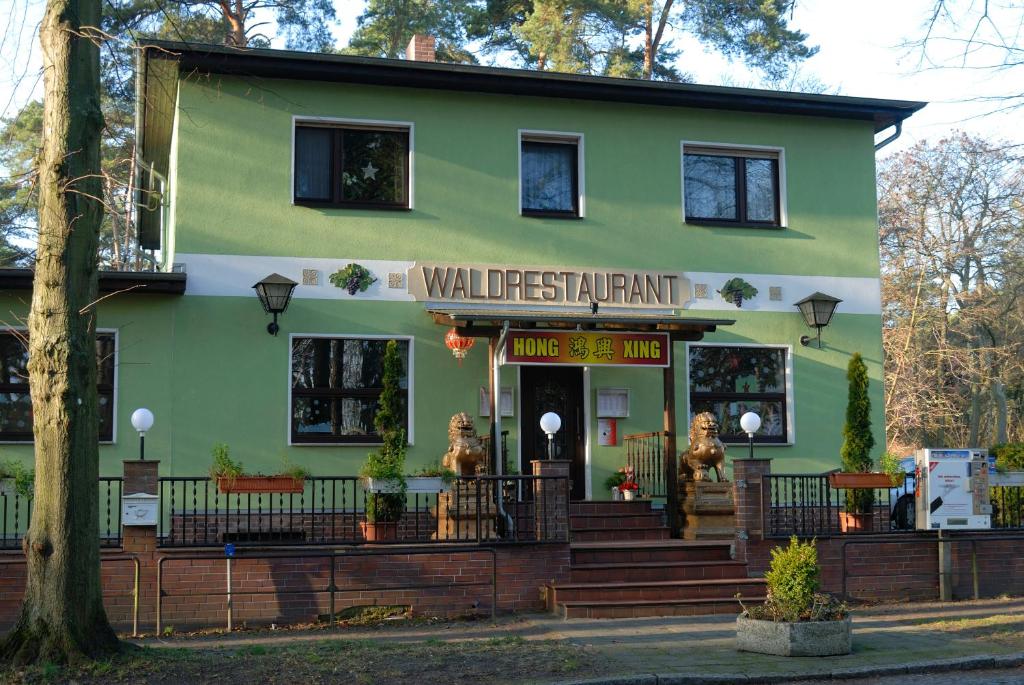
point(551, 499)
point(750, 492)
point(140, 541)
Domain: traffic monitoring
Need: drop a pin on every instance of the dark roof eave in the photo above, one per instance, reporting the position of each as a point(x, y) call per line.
point(458, 77)
point(127, 282)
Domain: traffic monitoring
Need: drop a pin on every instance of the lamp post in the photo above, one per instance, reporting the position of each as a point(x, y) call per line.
point(817, 310)
point(142, 421)
point(550, 423)
point(275, 291)
point(750, 423)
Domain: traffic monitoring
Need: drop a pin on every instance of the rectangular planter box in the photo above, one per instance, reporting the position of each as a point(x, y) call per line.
point(413, 485)
point(853, 481)
point(806, 638)
point(260, 484)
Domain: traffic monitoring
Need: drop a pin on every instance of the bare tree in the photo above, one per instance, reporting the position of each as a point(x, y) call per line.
point(62, 616)
point(952, 245)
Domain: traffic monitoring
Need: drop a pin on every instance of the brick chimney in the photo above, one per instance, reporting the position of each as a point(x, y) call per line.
point(420, 48)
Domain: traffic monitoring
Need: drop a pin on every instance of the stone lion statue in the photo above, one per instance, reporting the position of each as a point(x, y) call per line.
point(706, 450)
point(466, 452)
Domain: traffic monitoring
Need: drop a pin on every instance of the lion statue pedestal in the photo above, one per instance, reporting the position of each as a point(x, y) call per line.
point(708, 508)
point(468, 504)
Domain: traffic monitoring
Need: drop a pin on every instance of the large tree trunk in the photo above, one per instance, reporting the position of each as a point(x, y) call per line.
point(62, 618)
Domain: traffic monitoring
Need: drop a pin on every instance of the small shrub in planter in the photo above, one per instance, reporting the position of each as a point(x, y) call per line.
point(795, 620)
point(17, 479)
point(232, 479)
point(431, 478)
point(856, 450)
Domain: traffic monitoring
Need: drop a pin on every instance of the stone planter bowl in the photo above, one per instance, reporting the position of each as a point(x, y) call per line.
point(806, 638)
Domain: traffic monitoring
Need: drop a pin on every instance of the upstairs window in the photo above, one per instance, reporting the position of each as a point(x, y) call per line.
point(336, 387)
point(549, 179)
point(731, 187)
point(352, 166)
point(16, 403)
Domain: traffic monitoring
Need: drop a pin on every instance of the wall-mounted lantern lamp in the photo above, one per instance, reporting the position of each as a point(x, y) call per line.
point(550, 423)
point(817, 310)
point(142, 421)
point(750, 423)
point(275, 291)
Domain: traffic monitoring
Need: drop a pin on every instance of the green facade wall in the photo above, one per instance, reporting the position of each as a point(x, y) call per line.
point(210, 373)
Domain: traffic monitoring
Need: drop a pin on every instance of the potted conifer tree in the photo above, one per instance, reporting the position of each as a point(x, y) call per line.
point(857, 477)
point(384, 470)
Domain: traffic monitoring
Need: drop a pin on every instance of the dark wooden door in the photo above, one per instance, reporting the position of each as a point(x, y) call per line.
point(558, 389)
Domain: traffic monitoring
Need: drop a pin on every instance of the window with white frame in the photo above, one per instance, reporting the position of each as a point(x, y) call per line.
point(352, 165)
point(549, 175)
point(729, 381)
point(336, 385)
point(732, 186)
point(16, 403)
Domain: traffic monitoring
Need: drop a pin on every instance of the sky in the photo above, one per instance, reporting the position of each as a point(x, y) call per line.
point(862, 53)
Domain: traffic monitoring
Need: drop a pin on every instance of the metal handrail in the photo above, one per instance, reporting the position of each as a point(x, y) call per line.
point(121, 557)
point(924, 540)
point(332, 587)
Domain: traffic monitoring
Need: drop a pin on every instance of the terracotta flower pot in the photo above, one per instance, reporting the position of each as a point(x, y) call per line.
point(260, 484)
point(856, 523)
point(853, 481)
point(379, 531)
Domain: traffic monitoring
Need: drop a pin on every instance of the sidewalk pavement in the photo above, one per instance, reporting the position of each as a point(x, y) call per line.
point(888, 640)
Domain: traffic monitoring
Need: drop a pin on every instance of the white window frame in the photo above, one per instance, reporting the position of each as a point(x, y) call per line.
point(790, 382)
point(736, 149)
point(410, 371)
point(540, 136)
point(342, 122)
point(117, 364)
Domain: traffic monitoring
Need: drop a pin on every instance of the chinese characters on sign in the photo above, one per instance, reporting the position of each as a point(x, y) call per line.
point(587, 348)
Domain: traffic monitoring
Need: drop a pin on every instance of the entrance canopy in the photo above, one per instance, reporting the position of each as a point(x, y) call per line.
point(494, 323)
point(487, 323)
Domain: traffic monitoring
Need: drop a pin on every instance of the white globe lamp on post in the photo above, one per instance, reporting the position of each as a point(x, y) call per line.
point(142, 421)
point(550, 423)
point(750, 423)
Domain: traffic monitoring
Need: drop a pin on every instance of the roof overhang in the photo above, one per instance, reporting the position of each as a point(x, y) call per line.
point(487, 323)
point(285, 64)
point(135, 282)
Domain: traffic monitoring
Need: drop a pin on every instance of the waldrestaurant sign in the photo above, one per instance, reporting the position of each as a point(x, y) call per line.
point(547, 286)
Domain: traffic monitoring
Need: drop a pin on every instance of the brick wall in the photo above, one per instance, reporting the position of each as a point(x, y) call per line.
point(288, 587)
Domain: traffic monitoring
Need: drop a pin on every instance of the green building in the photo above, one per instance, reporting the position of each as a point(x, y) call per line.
point(601, 219)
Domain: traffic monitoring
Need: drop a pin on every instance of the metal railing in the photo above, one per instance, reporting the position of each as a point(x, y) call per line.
point(488, 463)
point(645, 452)
point(806, 505)
point(16, 512)
point(331, 510)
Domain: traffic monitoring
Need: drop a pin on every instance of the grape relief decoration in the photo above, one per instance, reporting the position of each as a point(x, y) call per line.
point(355, 278)
point(736, 290)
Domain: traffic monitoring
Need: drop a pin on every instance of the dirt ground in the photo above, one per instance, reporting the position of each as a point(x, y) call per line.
point(493, 661)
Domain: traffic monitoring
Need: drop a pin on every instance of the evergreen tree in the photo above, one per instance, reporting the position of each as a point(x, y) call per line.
point(386, 26)
point(857, 437)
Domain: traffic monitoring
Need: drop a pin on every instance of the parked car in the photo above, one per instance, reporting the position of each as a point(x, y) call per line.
point(901, 499)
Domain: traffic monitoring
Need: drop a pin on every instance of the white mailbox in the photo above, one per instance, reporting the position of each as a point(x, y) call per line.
point(952, 489)
point(140, 509)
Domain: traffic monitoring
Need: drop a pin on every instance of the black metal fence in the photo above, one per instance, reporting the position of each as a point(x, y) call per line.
point(331, 510)
point(16, 512)
point(645, 452)
point(807, 505)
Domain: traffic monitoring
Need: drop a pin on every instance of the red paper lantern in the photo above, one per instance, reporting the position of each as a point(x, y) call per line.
point(458, 344)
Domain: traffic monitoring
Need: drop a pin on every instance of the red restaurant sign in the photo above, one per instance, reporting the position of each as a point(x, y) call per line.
point(587, 348)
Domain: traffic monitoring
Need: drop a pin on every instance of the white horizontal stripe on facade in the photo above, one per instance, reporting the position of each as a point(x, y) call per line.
point(234, 276)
